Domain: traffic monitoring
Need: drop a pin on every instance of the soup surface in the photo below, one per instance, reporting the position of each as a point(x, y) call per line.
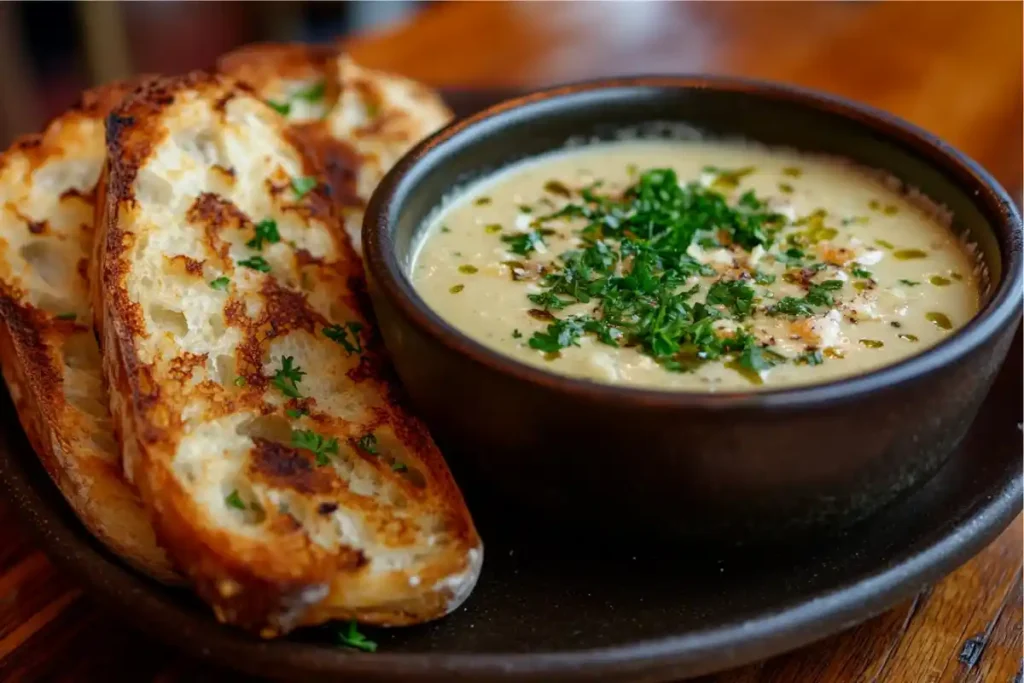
point(695, 266)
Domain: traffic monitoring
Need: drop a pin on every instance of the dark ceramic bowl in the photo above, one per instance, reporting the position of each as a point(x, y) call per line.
point(732, 465)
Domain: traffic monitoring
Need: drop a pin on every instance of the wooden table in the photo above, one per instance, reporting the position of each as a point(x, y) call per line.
point(952, 68)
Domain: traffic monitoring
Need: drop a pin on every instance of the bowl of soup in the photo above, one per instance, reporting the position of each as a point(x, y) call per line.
point(693, 305)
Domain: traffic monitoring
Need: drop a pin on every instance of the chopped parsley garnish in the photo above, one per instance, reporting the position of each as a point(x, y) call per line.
point(736, 295)
point(632, 267)
point(312, 93)
point(303, 185)
point(287, 378)
point(756, 358)
point(266, 231)
point(368, 444)
point(909, 283)
point(283, 108)
point(256, 263)
point(523, 244)
point(239, 381)
point(351, 637)
point(320, 446)
point(559, 334)
point(860, 272)
point(548, 300)
point(221, 283)
point(397, 466)
point(763, 278)
point(346, 335)
point(295, 413)
point(67, 316)
point(234, 500)
point(814, 357)
point(818, 296)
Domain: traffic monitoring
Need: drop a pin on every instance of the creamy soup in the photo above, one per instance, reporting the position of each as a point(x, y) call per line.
point(696, 266)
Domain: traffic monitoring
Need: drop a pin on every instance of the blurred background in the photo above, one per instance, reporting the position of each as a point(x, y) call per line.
point(952, 67)
point(50, 51)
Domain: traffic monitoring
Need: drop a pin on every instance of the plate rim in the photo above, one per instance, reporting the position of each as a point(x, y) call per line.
point(136, 598)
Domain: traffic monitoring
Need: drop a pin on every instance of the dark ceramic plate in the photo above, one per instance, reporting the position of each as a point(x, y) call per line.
point(548, 608)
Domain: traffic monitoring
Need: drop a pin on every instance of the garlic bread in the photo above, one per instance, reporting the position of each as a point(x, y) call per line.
point(358, 121)
point(284, 474)
point(48, 352)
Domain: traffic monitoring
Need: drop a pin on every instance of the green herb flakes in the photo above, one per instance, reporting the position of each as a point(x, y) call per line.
point(233, 500)
point(455, 289)
point(266, 231)
point(736, 295)
point(311, 93)
point(523, 244)
point(287, 378)
point(283, 108)
point(351, 637)
point(221, 283)
point(467, 269)
point(346, 335)
point(321, 446)
point(256, 263)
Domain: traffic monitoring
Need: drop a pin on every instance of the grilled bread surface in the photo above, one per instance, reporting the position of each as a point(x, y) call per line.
point(48, 352)
point(283, 473)
point(358, 121)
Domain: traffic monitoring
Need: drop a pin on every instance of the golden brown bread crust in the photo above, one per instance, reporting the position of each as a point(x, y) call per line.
point(47, 349)
point(363, 122)
point(379, 535)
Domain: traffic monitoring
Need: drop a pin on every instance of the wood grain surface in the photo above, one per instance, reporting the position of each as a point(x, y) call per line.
point(953, 68)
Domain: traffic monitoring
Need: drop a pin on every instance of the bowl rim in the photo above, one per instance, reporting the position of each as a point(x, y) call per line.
point(992, 200)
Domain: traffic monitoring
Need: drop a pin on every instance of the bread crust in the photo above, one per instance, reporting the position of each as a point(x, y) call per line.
point(48, 353)
point(363, 122)
point(378, 530)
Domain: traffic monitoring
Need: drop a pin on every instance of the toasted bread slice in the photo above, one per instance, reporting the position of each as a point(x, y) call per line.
point(48, 352)
point(285, 477)
point(358, 121)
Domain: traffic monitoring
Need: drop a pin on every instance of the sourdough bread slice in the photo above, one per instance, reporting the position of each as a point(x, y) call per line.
point(284, 474)
point(359, 122)
point(48, 352)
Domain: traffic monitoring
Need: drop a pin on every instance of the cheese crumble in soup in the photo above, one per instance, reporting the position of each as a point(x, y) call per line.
point(695, 266)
